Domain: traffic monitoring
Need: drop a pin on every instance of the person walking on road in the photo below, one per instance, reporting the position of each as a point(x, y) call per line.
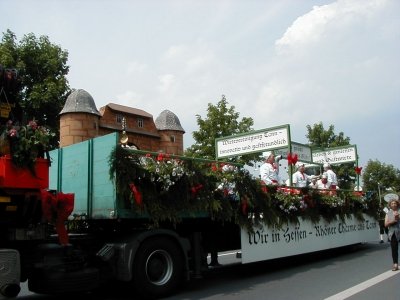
point(393, 224)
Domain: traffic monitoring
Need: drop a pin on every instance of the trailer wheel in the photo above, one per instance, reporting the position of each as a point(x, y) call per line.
point(158, 268)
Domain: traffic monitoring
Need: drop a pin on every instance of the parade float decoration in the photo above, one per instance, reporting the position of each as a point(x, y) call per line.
point(22, 150)
point(167, 187)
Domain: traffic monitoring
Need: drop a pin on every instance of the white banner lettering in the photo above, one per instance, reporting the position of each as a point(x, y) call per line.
point(256, 141)
point(335, 155)
point(269, 243)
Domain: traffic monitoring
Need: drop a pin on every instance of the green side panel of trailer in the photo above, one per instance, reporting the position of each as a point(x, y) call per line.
point(83, 169)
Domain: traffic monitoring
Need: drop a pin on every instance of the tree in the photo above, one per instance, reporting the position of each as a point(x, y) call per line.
point(221, 121)
point(381, 177)
point(319, 137)
point(42, 84)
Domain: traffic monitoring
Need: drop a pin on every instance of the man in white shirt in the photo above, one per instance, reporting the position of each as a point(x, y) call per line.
point(269, 170)
point(299, 178)
point(322, 184)
point(331, 176)
point(314, 180)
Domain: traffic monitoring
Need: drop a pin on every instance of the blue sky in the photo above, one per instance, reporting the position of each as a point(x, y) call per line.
point(294, 62)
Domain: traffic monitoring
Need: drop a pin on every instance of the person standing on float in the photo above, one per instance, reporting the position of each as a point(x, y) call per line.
point(269, 170)
point(299, 178)
point(331, 176)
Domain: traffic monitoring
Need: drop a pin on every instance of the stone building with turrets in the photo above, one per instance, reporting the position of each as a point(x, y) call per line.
point(80, 120)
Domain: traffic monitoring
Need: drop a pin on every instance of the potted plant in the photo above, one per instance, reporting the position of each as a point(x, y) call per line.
point(25, 143)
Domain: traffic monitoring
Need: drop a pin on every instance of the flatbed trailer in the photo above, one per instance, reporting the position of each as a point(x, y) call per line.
point(130, 224)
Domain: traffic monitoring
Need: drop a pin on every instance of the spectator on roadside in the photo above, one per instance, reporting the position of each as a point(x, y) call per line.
point(382, 229)
point(393, 224)
point(331, 176)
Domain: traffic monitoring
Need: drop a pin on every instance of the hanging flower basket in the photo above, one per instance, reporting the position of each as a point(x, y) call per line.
point(25, 143)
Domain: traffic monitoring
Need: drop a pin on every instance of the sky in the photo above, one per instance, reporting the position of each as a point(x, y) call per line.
point(296, 62)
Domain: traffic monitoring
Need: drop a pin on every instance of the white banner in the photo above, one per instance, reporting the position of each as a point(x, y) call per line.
point(270, 243)
point(256, 141)
point(335, 155)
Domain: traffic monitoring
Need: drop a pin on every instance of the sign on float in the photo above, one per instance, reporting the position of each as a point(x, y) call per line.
point(256, 141)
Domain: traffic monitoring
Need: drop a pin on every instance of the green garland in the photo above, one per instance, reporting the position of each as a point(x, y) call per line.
point(166, 188)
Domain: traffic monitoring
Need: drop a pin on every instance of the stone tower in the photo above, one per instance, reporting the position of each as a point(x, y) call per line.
point(79, 119)
point(171, 132)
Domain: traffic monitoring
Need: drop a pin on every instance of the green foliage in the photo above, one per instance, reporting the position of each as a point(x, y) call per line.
point(386, 176)
point(321, 138)
point(221, 121)
point(42, 70)
point(166, 189)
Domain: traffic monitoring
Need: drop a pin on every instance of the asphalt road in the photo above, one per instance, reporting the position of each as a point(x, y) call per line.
point(355, 273)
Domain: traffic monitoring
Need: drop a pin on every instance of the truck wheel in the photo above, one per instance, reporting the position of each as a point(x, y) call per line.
point(158, 268)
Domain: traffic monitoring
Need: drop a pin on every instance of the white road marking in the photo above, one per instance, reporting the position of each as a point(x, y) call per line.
point(362, 286)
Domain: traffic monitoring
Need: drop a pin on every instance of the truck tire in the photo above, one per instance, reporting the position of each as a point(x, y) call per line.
point(158, 268)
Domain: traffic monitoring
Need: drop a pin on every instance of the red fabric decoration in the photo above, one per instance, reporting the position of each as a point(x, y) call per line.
point(136, 194)
point(264, 187)
point(48, 205)
point(292, 159)
point(226, 192)
point(56, 209)
point(196, 189)
point(65, 206)
point(358, 170)
point(244, 205)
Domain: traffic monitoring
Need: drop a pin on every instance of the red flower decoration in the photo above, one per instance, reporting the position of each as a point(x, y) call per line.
point(33, 124)
point(292, 158)
point(358, 170)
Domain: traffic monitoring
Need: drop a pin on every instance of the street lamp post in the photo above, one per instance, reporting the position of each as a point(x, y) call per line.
point(379, 193)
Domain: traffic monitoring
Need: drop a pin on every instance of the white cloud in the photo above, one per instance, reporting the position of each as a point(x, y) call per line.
point(175, 52)
point(167, 82)
point(312, 27)
point(129, 98)
point(276, 62)
point(135, 67)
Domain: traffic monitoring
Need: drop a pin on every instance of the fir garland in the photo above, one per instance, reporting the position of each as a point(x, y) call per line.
point(169, 188)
